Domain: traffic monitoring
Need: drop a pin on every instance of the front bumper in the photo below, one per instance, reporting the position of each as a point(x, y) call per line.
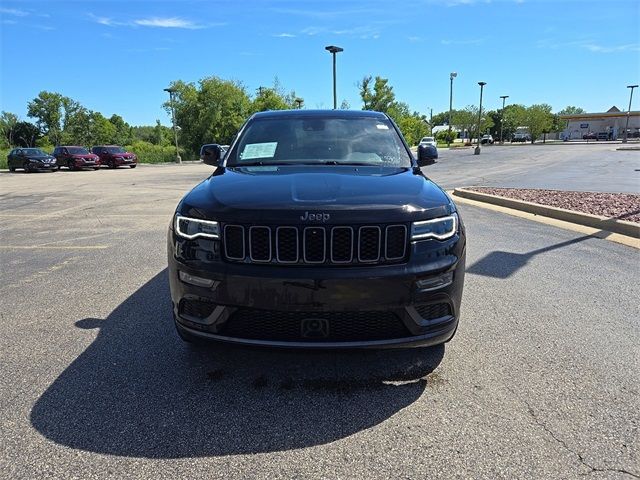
point(352, 307)
point(124, 161)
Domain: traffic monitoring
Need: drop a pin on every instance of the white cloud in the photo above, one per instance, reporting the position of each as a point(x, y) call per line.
point(13, 11)
point(167, 22)
point(285, 35)
point(472, 41)
point(629, 47)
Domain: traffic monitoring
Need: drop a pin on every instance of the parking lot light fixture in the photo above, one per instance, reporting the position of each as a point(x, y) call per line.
point(333, 50)
point(477, 150)
point(452, 75)
point(172, 91)
point(299, 102)
point(503, 97)
point(626, 128)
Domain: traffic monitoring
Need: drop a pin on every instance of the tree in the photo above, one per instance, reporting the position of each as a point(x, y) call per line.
point(46, 108)
point(379, 97)
point(26, 134)
point(345, 105)
point(269, 99)
point(210, 112)
point(571, 110)
point(123, 134)
point(441, 118)
point(538, 119)
point(8, 123)
point(514, 117)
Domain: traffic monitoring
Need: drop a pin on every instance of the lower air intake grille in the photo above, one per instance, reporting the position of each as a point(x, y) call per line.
point(435, 310)
point(314, 326)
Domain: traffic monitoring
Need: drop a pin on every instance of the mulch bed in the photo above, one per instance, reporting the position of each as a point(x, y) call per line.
point(622, 206)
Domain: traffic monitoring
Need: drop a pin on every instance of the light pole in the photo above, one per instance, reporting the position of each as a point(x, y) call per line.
point(333, 50)
point(477, 150)
point(503, 97)
point(626, 128)
point(171, 91)
point(299, 102)
point(452, 75)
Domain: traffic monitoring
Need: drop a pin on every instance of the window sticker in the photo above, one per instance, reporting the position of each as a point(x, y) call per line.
point(381, 126)
point(259, 150)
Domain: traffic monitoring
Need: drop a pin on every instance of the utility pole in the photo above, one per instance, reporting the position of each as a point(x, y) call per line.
point(452, 75)
point(477, 150)
point(626, 128)
point(172, 91)
point(503, 97)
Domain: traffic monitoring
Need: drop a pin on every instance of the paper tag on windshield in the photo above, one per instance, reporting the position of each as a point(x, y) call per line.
point(259, 150)
point(381, 126)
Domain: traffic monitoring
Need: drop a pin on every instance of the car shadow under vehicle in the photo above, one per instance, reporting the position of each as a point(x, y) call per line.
point(137, 390)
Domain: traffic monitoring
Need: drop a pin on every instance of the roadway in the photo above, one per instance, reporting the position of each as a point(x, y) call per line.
point(541, 380)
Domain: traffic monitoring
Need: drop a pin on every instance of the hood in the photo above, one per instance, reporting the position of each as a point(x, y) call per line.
point(86, 156)
point(284, 195)
point(41, 158)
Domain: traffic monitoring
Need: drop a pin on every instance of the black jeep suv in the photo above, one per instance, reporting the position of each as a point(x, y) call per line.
point(317, 229)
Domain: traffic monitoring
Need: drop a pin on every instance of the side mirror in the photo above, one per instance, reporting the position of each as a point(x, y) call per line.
point(211, 154)
point(427, 155)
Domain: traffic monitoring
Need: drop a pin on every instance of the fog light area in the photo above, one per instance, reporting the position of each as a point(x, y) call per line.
point(197, 281)
point(433, 283)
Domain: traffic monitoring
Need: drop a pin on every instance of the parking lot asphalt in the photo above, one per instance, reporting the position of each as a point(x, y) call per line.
point(595, 167)
point(541, 380)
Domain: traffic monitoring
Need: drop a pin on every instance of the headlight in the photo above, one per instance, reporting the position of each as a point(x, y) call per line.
point(193, 228)
point(438, 228)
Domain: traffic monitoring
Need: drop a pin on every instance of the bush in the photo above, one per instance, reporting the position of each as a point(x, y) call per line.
point(150, 153)
point(446, 136)
point(3, 157)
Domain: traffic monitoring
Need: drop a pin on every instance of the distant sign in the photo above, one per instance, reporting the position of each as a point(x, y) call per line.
point(584, 125)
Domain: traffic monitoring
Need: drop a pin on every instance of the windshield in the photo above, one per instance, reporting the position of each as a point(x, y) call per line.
point(115, 150)
point(77, 151)
point(309, 141)
point(427, 139)
point(34, 151)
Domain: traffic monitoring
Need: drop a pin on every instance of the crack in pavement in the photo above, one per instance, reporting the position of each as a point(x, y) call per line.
point(592, 469)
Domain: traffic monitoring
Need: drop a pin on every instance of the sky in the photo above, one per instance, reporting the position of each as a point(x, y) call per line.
point(118, 56)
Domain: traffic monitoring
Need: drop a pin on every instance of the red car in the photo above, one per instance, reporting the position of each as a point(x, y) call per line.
point(115, 156)
point(75, 158)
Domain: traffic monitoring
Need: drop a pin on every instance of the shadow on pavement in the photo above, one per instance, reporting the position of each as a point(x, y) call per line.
point(501, 264)
point(137, 390)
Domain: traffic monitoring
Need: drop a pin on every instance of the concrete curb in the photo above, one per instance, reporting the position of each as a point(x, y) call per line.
point(622, 227)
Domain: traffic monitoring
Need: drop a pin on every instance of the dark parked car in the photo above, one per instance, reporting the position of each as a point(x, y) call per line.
point(590, 136)
point(75, 158)
point(317, 230)
point(30, 160)
point(115, 156)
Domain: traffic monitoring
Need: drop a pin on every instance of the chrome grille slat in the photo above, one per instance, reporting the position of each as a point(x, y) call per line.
point(315, 245)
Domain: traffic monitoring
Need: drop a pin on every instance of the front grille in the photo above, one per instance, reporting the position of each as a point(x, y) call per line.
point(434, 310)
point(196, 308)
point(367, 244)
point(313, 326)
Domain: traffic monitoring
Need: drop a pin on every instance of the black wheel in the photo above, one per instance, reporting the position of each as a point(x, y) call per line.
point(12, 169)
point(132, 166)
point(112, 164)
point(70, 165)
point(96, 168)
point(26, 167)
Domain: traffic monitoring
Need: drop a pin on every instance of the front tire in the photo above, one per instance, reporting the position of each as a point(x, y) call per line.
point(132, 166)
point(26, 168)
point(112, 164)
point(70, 165)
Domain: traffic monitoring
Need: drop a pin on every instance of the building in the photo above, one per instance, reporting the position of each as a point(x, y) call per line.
point(605, 125)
